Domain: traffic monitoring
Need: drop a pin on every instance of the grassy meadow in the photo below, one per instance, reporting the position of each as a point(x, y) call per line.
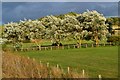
point(95, 61)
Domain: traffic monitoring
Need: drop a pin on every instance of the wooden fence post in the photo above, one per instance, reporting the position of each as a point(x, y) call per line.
point(48, 64)
point(86, 45)
point(51, 48)
point(68, 69)
point(74, 46)
point(58, 47)
point(92, 45)
point(110, 43)
point(62, 47)
point(39, 47)
point(99, 76)
point(45, 48)
point(78, 46)
point(57, 66)
point(83, 73)
point(104, 44)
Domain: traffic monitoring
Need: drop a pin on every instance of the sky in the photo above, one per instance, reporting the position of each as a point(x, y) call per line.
point(16, 11)
point(60, 0)
point(0, 13)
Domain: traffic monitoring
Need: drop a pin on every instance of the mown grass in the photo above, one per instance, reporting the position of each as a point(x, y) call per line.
point(95, 61)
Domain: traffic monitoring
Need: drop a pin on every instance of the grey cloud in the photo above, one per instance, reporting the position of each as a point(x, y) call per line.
point(17, 11)
point(60, 0)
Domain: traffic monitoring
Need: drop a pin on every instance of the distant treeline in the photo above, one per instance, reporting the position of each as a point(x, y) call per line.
point(113, 21)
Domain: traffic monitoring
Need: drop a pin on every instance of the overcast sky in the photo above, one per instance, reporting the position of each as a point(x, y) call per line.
point(0, 13)
point(14, 11)
point(60, 0)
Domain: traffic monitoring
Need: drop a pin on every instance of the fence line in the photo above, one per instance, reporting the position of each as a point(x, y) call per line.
point(68, 46)
point(82, 74)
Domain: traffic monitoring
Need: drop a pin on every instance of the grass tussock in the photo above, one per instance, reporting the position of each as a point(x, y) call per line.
point(15, 66)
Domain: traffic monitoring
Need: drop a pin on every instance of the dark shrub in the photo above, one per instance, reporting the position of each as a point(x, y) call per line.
point(60, 44)
point(114, 39)
point(56, 44)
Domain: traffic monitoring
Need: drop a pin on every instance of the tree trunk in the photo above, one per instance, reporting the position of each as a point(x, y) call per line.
point(58, 45)
point(80, 42)
point(96, 40)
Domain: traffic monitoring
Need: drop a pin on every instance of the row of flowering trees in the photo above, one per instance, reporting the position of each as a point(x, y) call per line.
point(89, 25)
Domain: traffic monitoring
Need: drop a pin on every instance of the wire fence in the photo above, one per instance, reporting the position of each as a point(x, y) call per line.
point(66, 46)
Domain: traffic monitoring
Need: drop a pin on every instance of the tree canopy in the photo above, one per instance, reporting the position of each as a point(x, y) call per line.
point(88, 25)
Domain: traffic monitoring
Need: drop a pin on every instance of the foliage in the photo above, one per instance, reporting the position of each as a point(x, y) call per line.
point(114, 39)
point(113, 20)
point(3, 42)
point(23, 31)
point(72, 27)
point(88, 25)
point(1, 29)
point(110, 22)
point(94, 23)
point(53, 28)
point(4, 46)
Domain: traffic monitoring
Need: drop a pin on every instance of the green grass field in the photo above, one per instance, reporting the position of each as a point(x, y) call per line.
point(95, 61)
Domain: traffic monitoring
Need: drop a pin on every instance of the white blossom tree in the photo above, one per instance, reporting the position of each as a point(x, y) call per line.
point(24, 30)
point(53, 28)
point(73, 28)
point(57, 28)
point(94, 22)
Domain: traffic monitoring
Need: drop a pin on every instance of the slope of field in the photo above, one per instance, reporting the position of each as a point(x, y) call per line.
point(95, 61)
